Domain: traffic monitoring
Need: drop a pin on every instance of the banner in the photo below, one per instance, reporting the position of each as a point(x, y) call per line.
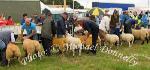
point(17, 29)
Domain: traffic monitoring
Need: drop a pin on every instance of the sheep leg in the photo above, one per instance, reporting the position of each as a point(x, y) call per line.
point(73, 52)
point(129, 44)
point(19, 59)
point(8, 62)
point(25, 53)
point(39, 55)
point(98, 46)
point(67, 46)
point(116, 43)
point(30, 58)
point(147, 39)
point(142, 42)
point(120, 43)
point(79, 52)
point(132, 41)
point(24, 62)
point(53, 47)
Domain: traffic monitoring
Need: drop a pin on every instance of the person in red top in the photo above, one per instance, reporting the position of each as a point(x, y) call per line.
point(2, 21)
point(10, 21)
point(1, 18)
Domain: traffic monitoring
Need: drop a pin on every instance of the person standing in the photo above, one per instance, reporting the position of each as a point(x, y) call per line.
point(23, 19)
point(144, 20)
point(46, 34)
point(104, 27)
point(30, 29)
point(5, 38)
point(125, 20)
point(61, 25)
point(114, 21)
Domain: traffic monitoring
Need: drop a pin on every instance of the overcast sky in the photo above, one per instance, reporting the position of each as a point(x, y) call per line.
point(138, 3)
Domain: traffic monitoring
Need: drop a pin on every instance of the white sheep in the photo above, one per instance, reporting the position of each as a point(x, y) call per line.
point(129, 38)
point(13, 51)
point(74, 43)
point(141, 34)
point(112, 39)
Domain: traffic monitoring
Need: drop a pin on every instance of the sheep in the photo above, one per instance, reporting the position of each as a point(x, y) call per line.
point(127, 38)
point(112, 39)
point(141, 34)
point(60, 43)
point(74, 43)
point(30, 47)
point(13, 51)
point(88, 42)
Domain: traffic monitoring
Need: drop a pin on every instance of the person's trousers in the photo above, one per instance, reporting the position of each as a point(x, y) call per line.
point(94, 39)
point(47, 43)
point(3, 53)
point(3, 56)
point(127, 28)
point(117, 31)
point(112, 30)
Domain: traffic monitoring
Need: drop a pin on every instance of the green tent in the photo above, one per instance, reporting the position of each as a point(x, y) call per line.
point(16, 8)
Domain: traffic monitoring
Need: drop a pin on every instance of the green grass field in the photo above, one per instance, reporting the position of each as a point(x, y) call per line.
point(101, 61)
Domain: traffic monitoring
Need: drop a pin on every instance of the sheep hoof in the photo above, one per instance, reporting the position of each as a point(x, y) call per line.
point(40, 58)
point(29, 61)
point(24, 63)
point(79, 54)
point(142, 43)
point(8, 65)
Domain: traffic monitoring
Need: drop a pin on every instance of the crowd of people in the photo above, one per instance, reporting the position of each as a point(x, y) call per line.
point(8, 21)
point(50, 28)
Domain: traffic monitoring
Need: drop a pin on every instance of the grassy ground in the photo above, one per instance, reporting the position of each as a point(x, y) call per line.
point(101, 61)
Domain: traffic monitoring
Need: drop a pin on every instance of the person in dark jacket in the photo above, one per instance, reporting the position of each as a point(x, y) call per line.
point(46, 34)
point(61, 25)
point(126, 21)
point(93, 29)
point(23, 19)
point(5, 38)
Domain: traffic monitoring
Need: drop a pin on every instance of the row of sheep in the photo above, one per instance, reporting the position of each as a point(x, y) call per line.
point(72, 43)
point(141, 34)
point(29, 46)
